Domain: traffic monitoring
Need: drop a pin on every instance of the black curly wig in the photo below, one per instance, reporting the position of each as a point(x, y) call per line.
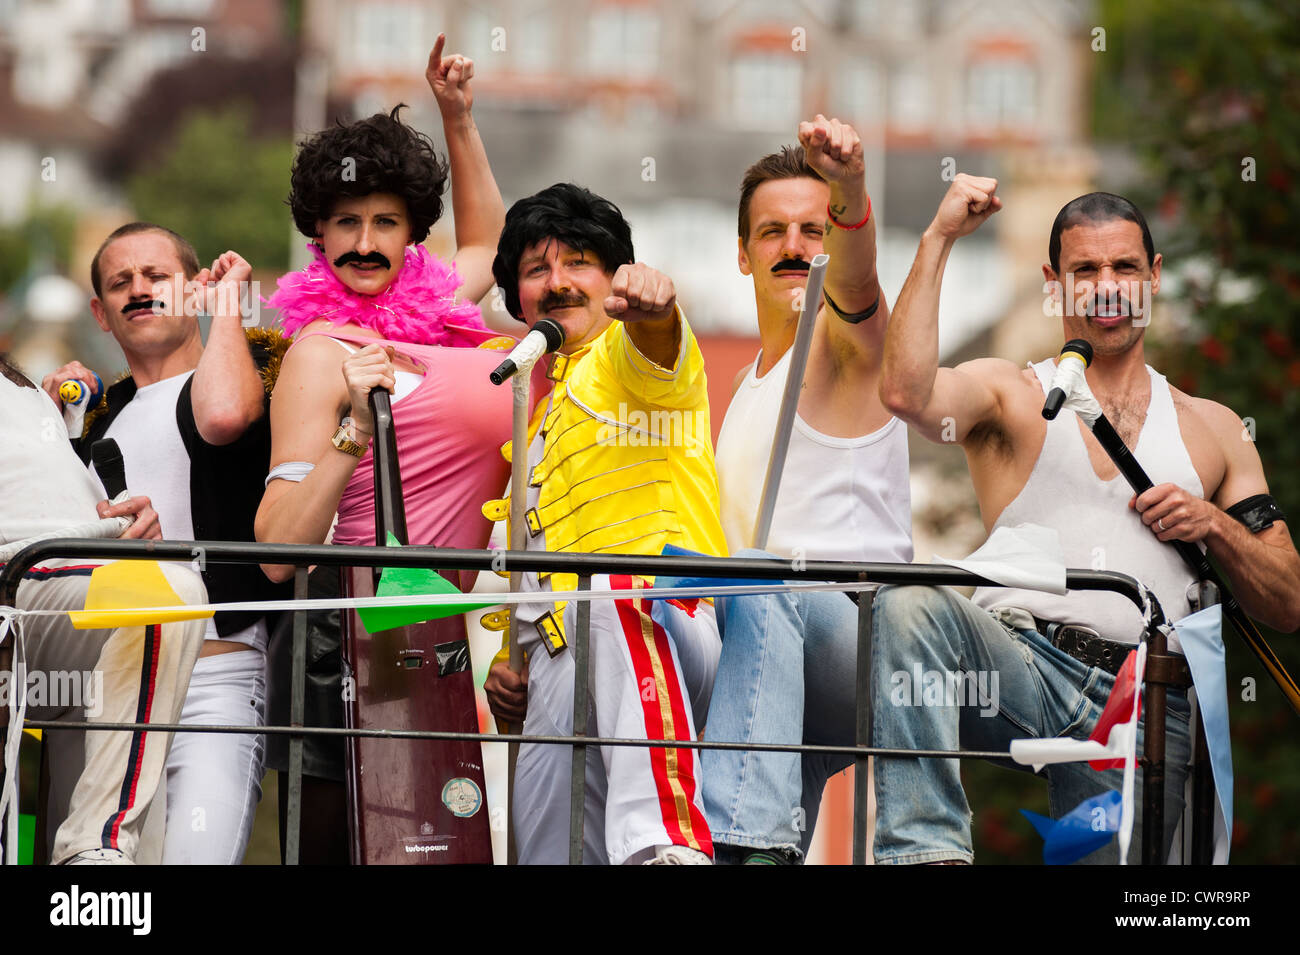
point(388, 156)
point(575, 216)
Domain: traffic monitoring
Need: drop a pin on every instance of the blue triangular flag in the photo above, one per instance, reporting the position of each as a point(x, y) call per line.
point(1081, 831)
point(672, 550)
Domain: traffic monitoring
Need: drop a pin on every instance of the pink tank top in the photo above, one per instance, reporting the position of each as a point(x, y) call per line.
point(449, 435)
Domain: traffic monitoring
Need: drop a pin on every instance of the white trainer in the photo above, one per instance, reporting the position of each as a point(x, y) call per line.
point(678, 855)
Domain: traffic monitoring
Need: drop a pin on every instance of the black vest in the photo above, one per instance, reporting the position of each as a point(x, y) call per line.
point(226, 485)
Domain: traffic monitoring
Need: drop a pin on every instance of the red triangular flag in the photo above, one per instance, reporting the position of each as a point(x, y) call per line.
point(1119, 709)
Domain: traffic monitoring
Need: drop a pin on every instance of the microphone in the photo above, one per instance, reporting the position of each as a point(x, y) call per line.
point(545, 337)
point(109, 466)
point(112, 474)
point(74, 392)
point(1075, 358)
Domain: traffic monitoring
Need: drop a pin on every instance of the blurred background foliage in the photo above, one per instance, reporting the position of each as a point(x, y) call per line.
point(222, 188)
point(1208, 95)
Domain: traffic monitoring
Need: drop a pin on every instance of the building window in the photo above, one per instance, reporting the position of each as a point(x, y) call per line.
point(766, 92)
point(624, 41)
point(532, 41)
point(389, 36)
point(910, 98)
point(1001, 92)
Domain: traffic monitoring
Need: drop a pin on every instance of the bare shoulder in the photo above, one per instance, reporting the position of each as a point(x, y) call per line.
point(740, 377)
point(1217, 418)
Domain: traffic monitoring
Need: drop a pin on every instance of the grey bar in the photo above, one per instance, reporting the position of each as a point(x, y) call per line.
point(297, 707)
point(790, 398)
point(862, 726)
point(581, 647)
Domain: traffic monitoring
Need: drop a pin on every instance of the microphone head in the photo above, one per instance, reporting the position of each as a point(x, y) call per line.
point(552, 331)
point(1079, 347)
point(109, 466)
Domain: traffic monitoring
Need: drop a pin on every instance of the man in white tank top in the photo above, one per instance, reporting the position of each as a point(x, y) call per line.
point(786, 672)
point(1055, 474)
point(191, 427)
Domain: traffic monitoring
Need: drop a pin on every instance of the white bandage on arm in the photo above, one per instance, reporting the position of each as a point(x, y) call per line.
point(293, 471)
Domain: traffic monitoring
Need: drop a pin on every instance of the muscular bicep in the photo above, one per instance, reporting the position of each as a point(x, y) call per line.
point(964, 399)
point(1243, 471)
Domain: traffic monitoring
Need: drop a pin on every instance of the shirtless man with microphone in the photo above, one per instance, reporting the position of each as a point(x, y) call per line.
point(1209, 489)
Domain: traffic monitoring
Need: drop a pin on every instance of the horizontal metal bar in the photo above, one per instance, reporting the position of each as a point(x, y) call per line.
point(520, 738)
point(444, 558)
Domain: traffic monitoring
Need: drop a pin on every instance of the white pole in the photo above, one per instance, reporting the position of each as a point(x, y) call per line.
point(790, 399)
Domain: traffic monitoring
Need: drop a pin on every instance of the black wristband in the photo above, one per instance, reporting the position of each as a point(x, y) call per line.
point(855, 317)
point(1257, 512)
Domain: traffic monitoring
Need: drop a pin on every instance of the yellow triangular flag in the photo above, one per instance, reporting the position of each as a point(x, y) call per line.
point(118, 588)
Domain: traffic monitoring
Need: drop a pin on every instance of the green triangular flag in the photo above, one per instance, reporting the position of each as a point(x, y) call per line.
point(413, 581)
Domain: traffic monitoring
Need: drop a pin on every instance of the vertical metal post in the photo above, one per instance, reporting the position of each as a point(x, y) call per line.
point(297, 706)
point(1153, 776)
point(578, 782)
point(863, 725)
point(519, 386)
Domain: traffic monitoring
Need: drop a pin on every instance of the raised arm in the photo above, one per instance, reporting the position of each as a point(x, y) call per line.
point(944, 404)
point(309, 401)
point(227, 391)
point(475, 199)
point(1262, 566)
point(834, 151)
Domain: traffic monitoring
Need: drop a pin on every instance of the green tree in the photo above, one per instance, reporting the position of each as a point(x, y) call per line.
point(221, 188)
point(1208, 93)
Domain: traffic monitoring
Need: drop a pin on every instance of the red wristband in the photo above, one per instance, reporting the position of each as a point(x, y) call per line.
point(849, 228)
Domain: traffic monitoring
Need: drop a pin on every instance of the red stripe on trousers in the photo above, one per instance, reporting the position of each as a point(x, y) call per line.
point(151, 632)
point(630, 618)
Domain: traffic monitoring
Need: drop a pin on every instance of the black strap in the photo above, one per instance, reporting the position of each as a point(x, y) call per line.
point(1257, 512)
point(855, 317)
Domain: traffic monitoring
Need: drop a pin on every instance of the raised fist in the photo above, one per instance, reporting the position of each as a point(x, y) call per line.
point(832, 148)
point(968, 202)
point(638, 292)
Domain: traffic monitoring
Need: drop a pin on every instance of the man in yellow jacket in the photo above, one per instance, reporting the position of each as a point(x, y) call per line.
point(621, 462)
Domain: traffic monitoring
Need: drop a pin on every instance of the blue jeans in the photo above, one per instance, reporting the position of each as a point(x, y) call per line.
point(786, 675)
point(1030, 689)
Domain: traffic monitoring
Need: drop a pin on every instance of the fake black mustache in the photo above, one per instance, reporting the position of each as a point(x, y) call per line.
point(791, 265)
point(371, 258)
point(148, 305)
point(552, 300)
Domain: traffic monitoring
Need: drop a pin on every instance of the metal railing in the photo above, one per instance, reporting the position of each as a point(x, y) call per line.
point(869, 575)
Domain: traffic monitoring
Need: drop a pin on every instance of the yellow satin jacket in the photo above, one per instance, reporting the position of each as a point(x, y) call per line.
point(627, 463)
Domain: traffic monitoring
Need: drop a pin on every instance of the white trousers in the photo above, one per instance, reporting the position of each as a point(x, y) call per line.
point(102, 782)
point(214, 780)
point(652, 667)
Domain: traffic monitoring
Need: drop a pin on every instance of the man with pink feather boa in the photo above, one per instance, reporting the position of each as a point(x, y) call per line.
point(375, 309)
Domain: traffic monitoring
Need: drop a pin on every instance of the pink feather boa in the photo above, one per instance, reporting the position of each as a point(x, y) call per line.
point(420, 306)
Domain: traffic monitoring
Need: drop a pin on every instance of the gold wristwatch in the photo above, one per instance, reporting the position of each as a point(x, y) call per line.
point(344, 439)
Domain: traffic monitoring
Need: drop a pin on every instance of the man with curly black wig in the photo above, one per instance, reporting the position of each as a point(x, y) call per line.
point(623, 463)
point(376, 309)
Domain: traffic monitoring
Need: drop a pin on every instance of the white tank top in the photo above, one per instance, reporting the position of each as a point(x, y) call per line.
point(840, 498)
point(1098, 531)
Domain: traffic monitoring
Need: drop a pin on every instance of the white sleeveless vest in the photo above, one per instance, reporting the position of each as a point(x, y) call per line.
point(1098, 531)
point(840, 498)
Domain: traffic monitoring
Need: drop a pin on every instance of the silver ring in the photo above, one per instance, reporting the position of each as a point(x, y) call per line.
point(1160, 521)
